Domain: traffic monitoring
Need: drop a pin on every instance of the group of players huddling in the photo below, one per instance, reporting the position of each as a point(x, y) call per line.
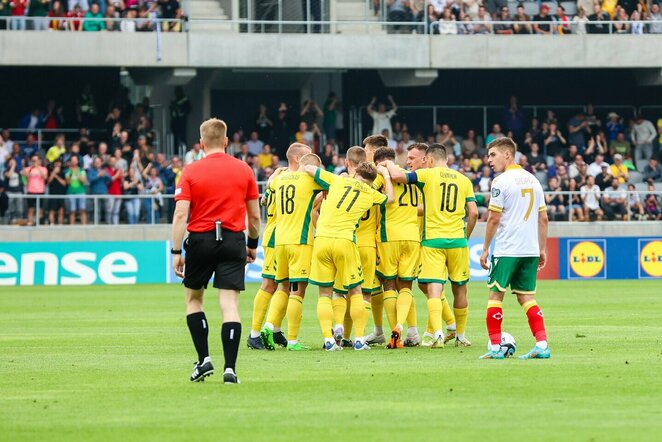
point(379, 228)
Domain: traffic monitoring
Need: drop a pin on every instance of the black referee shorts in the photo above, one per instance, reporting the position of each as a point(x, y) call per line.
point(225, 259)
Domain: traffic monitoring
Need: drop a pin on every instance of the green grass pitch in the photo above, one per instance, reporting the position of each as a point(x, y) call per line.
point(112, 363)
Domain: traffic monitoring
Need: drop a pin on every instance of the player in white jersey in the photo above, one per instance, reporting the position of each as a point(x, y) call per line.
point(518, 217)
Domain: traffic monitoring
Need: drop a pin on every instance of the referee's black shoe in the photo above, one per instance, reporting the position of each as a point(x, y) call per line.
point(255, 343)
point(280, 339)
point(230, 377)
point(201, 371)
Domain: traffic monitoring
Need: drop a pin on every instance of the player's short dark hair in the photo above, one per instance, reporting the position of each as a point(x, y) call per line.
point(356, 155)
point(384, 153)
point(503, 144)
point(375, 141)
point(418, 146)
point(367, 171)
point(438, 151)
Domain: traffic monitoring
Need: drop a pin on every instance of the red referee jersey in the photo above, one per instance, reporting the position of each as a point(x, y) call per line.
point(218, 187)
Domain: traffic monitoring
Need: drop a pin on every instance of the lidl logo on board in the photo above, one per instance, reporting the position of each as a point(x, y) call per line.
point(650, 258)
point(587, 259)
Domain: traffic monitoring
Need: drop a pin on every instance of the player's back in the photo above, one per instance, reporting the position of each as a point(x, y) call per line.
point(519, 197)
point(365, 233)
point(398, 221)
point(294, 197)
point(269, 234)
point(347, 201)
point(445, 194)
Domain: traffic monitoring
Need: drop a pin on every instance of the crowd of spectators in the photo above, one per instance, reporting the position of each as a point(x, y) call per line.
point(496, 17)
point(609, 161)
point(91, 15)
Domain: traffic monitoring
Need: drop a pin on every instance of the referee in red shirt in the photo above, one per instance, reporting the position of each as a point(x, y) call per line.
point(214, 194)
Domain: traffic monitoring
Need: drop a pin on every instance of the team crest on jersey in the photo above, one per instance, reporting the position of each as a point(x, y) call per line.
point(495, 192)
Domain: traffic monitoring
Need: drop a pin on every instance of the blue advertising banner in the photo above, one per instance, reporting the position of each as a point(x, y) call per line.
point(610, 258)
point(83, 263)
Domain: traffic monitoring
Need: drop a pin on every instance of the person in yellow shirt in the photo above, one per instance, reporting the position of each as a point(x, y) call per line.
point(268, 296)
point(398, 244)
point(57, 150)
point(335, 254)
point(618, 169)
point(447, 197)
point(264, 158)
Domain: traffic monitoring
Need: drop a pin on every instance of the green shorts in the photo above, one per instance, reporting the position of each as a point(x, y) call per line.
point(519, 273)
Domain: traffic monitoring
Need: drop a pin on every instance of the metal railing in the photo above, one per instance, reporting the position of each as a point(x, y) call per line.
point(97, 205)
point(76, 24)
point(45, 137)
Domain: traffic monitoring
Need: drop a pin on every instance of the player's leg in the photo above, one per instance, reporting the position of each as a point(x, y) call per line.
point(348, 262)
point(408, 266)
point(271, 333)
point(299, 257)
point(387, 271)
point(260, 305)
point(501, 272)
point(434, 274)
point(524, 286)
point(458, 274)
point(372, 287)
point(325, 317)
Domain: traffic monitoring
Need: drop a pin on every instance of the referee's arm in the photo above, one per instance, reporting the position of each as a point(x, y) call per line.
point(178, 229)
point(254, 223)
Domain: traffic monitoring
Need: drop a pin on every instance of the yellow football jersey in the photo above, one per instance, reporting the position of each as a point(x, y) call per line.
point(398, 221)
point(445, 194)
point(347, 201)
point(365, 234)
point(268, 236)
point(294, 197)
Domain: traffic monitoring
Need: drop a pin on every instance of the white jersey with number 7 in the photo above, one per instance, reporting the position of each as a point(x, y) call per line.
point(518, 195)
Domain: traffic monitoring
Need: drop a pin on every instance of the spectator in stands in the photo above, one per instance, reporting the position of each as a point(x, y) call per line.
point(563, 177)
point(596, 166)
point(578, 131)
point(513, 118)
point(603, 180)
point(57, 11)
point(262, 123)
point(621, 26)
point(543, 21)
point(398, 11)
point(170, 9)
point(129, 25)
point(635, 207)
point(35, 175)
point(57, 185)
point(18, 10)
point(132, 186)
point(381, 117)
point(643, 134)
point(653, 204)
point(180, 107)
point(537, 161)
point(576, 202)
point(94, 19)
point(590, 195)
point(485, 179)
point(114, 203)
point(638, 26)
point(57, 150)
point(614, 126)
point(614, 201)
point(570, 154)
point(562, 21)
point(579, 22)
point(195, 154)
point(306, 136)
point(14, 188)
point(496, 133)
point(555, 199)
point(595, 147)
point(467, 170)
point(596, 19)
point(464, 28)
point(618, 169)
point(310, 112)
point(447, 23)
point(576, 165)
point(469, 144)
point(330, 117)
point(76, 181)
point(554, 141)
point(244, 154)
point(264, 157)
point(38, 10)
point(483, 16)
point(521, 16)
point(153, 186)
point(255, 145)
point(655, 16)
point(30, 147)
point(653, 171)
point(406, 139)
point(111, 15)
point(447, 138)
point(282, 131)
point(98, 177)
point(620, 146)
point(120, 162)
point(524, 164)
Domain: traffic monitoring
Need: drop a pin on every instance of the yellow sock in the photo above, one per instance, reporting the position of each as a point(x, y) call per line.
point(434, 312)
point(461, 315)
point(429, 330)
point(359, 315)
point(447, 313)
point(347, 324)
point(377, 304)
point(405, 299)
point(260, 305)
point(294, 311)
point(412, 319)
point(339, 307)
point(278, 308)
point(390, 307)
point(325, 315)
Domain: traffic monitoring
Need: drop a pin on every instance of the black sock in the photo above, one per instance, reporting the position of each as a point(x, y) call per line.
point(197, 325)
point(230, 335)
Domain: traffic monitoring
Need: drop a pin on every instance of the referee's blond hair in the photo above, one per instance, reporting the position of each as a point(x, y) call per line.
point(213, 133)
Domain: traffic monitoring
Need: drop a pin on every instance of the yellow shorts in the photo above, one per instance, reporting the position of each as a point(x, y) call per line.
point(269, 264)
point(368, 256)
point(292, 262)
point(336, 259)
point(399, 259)
point(437, 265)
